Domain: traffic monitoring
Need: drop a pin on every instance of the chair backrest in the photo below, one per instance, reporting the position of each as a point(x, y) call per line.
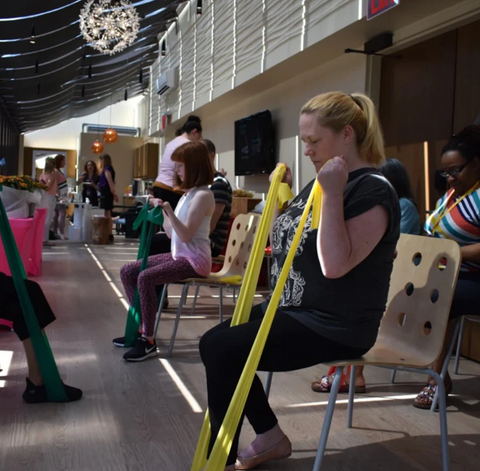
point(239, 245)
point(423, 281)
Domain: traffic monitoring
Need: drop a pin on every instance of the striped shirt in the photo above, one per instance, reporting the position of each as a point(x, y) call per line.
point(461, 224)
point(222, 191)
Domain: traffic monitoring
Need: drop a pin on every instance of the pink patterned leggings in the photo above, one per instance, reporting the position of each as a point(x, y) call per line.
point(161, 269)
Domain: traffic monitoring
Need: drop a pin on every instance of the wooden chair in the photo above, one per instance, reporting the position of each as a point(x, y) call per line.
point(413, 328)
point(239, 246)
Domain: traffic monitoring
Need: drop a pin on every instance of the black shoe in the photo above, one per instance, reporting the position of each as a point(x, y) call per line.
point(120, 341)
point(38, 394)
point(142, 350)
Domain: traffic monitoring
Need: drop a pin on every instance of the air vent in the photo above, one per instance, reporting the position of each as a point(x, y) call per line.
point(121, 130)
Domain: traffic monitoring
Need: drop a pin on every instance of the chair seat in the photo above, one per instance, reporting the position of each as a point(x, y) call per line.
point(383, 354)
point(210, 280)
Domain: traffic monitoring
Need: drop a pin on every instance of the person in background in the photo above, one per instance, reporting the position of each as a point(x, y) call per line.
point(166, 184)
point(457, 217)
point(48, 177)
point(351, 252)
point(11, 310)
point(222, 191)
point(189, 228)
point(106, 185)
point(396, 173)
point(89, 178)
point(60, 214)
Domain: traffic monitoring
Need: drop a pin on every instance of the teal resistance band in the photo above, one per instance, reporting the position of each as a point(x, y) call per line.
point(41, 347)
point(154, 217)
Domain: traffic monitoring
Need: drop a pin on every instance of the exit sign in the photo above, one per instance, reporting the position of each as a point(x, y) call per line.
point(377, 7)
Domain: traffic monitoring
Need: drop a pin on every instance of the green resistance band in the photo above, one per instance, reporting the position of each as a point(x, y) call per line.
point(154, 217)
point(41, 347)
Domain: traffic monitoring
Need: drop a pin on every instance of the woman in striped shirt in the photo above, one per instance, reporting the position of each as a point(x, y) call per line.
point(457, 217)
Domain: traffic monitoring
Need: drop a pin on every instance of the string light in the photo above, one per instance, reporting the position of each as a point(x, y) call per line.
point(109, 26)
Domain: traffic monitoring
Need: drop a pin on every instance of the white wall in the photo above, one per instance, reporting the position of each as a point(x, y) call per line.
point(65, 134)
point(347, 73)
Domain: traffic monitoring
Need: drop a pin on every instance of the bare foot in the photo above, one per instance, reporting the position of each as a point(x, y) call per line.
point(359, 380)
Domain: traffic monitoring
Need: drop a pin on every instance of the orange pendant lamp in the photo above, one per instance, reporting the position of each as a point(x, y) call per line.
point(97, 147)
point(110, 136)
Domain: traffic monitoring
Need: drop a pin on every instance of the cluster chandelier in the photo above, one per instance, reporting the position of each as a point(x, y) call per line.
point(109, 26)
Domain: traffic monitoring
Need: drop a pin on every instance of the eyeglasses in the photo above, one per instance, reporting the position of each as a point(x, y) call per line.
point(454, 172)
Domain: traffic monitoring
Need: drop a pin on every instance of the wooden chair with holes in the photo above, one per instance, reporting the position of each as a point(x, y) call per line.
point(413, 328)
point(239, 246)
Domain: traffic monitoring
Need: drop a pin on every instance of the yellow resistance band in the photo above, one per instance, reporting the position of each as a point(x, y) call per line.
point(224, 440)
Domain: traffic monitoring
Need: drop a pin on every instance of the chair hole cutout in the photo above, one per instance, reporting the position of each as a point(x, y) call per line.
point(442, 263)
point(247, 227)
point(242, 244)
point(249, 247)
point(230, 259)
point(237, 262)
point(238, 226)
point(417, 258)
point(245, 266)
point(434, 295)
point(409, 289)
point(255, 229)
point(234, 242)
point(427, 328)
point(402, 318)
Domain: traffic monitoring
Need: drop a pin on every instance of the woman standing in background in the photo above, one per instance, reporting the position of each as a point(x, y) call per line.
point(62, 192)
point(106, 185)
point(89, 178)
point(48, 177)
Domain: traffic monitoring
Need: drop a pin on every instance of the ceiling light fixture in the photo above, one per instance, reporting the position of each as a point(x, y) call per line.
point(109, 26)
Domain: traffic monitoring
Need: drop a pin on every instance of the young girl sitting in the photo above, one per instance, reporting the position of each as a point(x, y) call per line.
point(188, 228)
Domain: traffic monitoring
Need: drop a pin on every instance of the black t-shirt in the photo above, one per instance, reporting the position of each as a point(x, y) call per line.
point(222, 191)
point(349, 309)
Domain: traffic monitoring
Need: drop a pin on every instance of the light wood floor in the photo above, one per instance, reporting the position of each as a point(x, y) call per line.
point(135, 417)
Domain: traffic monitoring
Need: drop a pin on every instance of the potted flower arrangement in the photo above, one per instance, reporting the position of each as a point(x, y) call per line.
point(20, 195)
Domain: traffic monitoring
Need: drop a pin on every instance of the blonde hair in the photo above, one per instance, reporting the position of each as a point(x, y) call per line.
point(49, 165)
point(335, 110)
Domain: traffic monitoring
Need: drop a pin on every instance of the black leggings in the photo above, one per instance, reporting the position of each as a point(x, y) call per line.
point(290, 346)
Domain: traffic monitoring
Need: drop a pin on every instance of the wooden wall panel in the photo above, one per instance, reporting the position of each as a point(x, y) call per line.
point(467, 89)
point(417, 92)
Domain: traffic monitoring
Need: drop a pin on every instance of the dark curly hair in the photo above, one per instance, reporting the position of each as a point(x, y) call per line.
point(466, 143)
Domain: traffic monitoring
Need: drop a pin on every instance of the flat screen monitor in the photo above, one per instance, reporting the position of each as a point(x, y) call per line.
point(254, 144)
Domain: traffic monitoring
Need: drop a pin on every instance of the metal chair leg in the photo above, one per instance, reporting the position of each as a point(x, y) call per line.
point(197, 289)
point(177, 319)
point(445, 365)
point(351, 396)
point(328, 418)
point(268, 383)
point(159, 312)
point(220, 303)
point(459, 345)
point(443, 420)
point(393, 375)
